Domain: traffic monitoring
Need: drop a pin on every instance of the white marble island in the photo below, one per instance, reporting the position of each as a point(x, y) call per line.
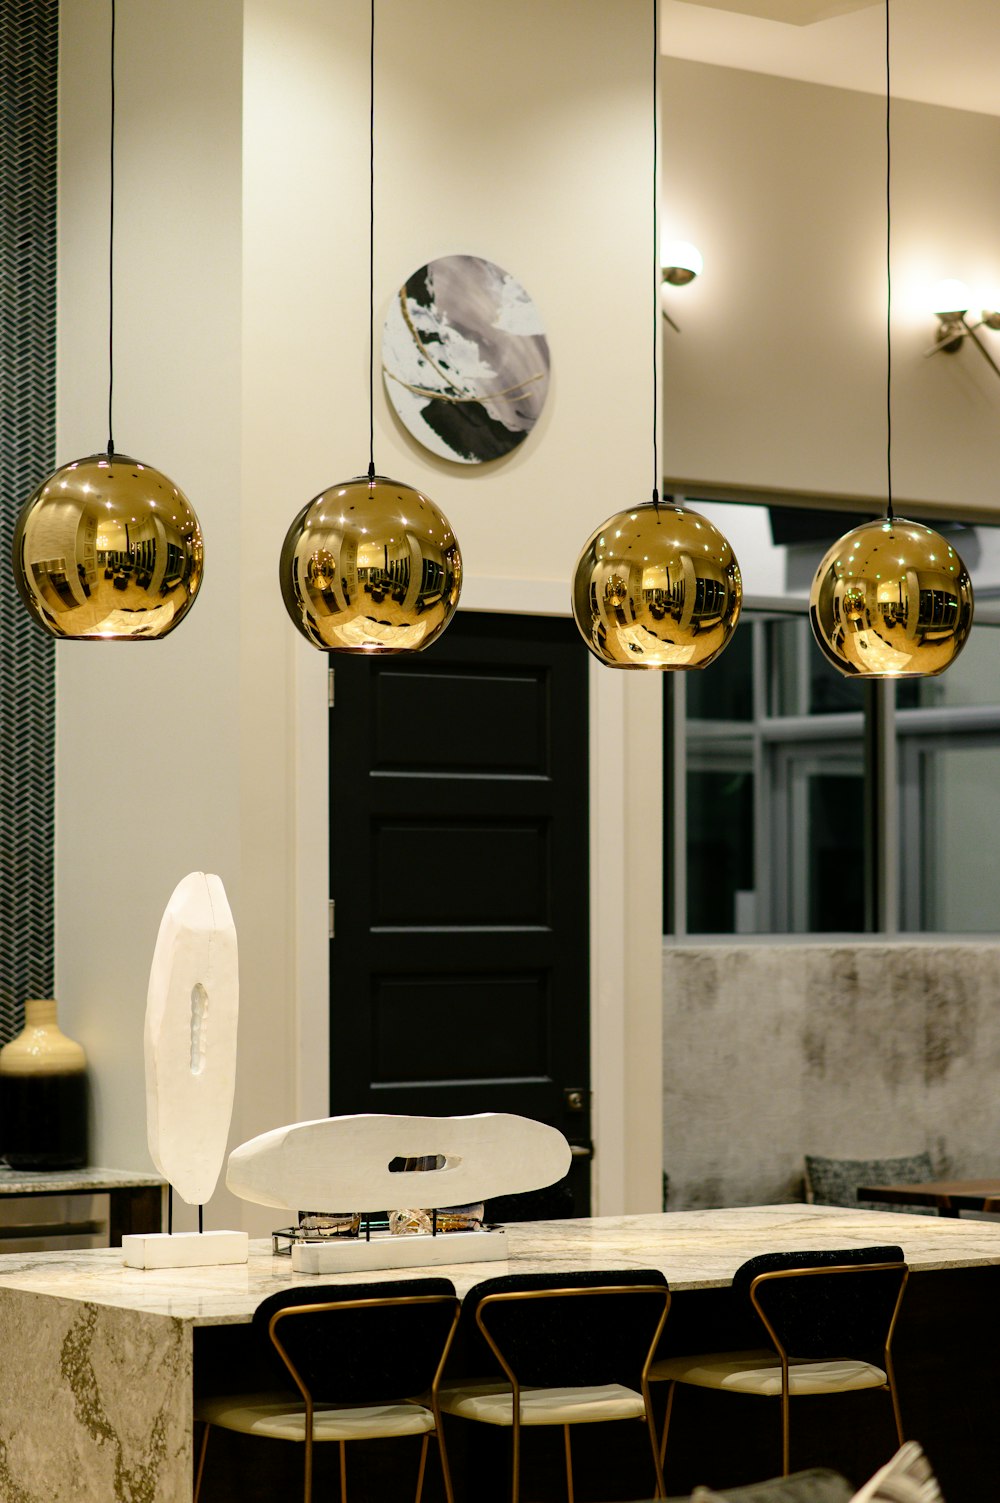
point(97, 1361)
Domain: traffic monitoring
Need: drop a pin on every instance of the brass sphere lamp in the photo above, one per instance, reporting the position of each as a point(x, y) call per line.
point(657, 586)
point(370, 565)
point(891, 599)
point(108, 548)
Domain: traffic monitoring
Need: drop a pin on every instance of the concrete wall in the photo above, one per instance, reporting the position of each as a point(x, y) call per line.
point(850, 1050)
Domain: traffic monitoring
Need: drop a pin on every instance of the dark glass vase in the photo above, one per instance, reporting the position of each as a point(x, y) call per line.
point(43, 1095)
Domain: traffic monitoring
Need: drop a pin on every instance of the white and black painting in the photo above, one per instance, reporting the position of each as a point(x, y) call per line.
point(465, 359)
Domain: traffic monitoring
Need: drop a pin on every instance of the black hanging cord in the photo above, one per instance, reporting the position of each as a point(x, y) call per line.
point(371, 249)
point(656, 251)
point(888, 274)
point(111, 250)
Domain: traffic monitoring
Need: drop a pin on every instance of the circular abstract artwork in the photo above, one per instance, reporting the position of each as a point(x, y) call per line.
point(465, 359)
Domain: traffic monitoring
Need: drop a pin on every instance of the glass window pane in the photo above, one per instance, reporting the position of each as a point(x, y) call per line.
point(724, 691)
point(720, 847)
point(800, 680)
point(948, 853)
point(835, 887)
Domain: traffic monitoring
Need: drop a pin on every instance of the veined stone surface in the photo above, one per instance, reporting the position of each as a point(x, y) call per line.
point(95, 1403)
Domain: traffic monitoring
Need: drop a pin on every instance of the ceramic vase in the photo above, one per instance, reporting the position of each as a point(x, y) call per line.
point(43, 1094)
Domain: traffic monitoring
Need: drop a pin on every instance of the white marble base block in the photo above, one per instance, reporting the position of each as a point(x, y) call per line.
point(184, 1249)
point(409, 1250)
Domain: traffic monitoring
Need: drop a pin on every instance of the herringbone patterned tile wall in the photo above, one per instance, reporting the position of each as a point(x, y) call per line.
point(29, 43)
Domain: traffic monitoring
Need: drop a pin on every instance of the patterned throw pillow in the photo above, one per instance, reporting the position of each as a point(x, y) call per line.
point(834, 1182)
point(818, 1485)
point(907, 1478)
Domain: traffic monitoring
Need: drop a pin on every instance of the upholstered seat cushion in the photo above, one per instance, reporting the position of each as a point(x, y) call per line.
point(760, 1372)
point(490, 1402)
point(281, 1417)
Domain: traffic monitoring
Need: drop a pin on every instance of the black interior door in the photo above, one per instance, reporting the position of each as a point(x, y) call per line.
point(459, 874)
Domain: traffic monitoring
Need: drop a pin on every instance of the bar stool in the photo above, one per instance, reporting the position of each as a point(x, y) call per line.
point(830, 1317)
point(365, 1361)
point(574, 1348)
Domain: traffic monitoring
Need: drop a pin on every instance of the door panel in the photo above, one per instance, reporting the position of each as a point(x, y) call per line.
point(459, 872)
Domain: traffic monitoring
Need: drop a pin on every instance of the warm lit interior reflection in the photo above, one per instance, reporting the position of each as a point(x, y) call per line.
point(657, 587)
point(108, 549)
point(891, 600)
point(370, 566)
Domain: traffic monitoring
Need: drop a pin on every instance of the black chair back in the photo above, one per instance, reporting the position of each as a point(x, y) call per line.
point(848, 1313)
point(572, 1329)
point(345, 1353)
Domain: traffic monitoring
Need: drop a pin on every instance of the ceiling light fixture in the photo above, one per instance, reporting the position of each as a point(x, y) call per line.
point(107, 548)
point(370, 565)
point(656, 586)
point(892, 598)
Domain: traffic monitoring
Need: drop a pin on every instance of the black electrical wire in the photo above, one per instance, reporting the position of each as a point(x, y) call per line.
point(656, 253)
point(111, 250)
point(371, 248)
point(888, 273)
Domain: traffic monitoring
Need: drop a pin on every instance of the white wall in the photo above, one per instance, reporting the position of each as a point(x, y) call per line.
point(242, 370)
point(148, 747)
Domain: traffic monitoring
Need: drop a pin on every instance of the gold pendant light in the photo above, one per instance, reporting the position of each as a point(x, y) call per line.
point(656, 586)
point(107, 548)
point(370, 565)
point(892, 598)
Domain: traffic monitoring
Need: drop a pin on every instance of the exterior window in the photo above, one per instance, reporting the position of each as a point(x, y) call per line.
point(801, 802)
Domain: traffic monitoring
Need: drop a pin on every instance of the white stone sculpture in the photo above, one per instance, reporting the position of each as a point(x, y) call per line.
point(342, 1164)
point(192, 1008)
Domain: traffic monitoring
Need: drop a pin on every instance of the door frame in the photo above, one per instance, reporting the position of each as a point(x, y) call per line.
point(626, 873)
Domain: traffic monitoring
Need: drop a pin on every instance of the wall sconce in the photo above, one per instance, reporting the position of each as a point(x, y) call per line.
point(680, 263)
point(951, 305)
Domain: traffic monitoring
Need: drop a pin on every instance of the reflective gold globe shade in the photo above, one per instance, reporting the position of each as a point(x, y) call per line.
point(370, 566)
point(891, 599)
point(657, 587)
point(108, 549)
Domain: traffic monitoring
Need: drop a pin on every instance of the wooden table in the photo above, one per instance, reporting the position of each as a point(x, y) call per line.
point(947, 1196)
point(99, 1363)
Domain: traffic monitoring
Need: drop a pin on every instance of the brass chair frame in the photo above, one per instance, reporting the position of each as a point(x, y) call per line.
point(573, 1293)
point(331, 1307)
point(785, 1357)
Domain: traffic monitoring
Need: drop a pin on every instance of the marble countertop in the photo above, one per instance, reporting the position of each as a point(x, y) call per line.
point(694, 1249)
point(72, 1181)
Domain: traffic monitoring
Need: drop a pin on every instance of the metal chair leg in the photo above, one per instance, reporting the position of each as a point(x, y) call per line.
point(671, 1389)
point(785, 1435)
point(897, 1413)
point(515, 1448)
point(647, 1400)
point(569, 1465)
point(343, 1472)
point(423, 1464)
point(201, 1462)
point(443, 1454)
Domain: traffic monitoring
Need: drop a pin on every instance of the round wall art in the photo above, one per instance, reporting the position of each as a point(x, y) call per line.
point(465, 359)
